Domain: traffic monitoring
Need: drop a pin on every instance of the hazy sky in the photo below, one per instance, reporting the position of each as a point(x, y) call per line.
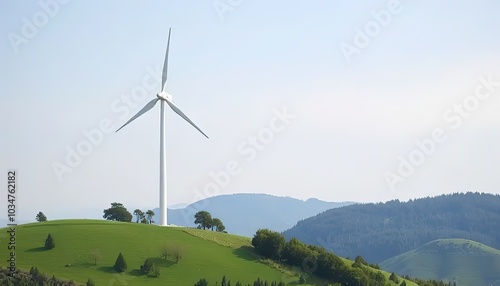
point(339, 100)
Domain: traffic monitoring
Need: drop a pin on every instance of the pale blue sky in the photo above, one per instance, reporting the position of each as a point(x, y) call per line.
point(229, 71)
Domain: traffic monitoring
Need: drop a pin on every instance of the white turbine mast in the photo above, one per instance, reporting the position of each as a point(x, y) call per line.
point(163, 97)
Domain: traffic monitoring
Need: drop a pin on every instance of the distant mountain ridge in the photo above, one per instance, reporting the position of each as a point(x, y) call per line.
point(383, 230)
point(243, 214)
point(465, 262)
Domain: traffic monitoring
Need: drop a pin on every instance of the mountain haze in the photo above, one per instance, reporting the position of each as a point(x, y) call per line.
point(243, 214)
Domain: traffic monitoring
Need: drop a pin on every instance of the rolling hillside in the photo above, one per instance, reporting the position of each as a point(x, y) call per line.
point(205, 254)
point(465, 262)
point(76, 239)
point(380, 231)
point(259, 211)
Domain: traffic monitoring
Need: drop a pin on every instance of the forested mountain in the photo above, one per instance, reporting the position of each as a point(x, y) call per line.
point(383, 230)
point(243, 214)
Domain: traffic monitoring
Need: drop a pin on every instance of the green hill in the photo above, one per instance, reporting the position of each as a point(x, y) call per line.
point(205, 254)
point(465, 261)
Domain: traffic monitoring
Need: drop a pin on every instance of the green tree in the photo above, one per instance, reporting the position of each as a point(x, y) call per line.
point(150, 214)
point(150, 268)
point(49, 242)
point(146, 267)
point(269, 243)
point(40, 217)
point(394, 278)
point(155, 271)
point(120, 264)
point(302, 279)
point(203, 219)
point(223, 282)
point(139, 215)
point(219, 226)
point(117, 212)
point(90, 282)
point(403, 283)
point(201, 282)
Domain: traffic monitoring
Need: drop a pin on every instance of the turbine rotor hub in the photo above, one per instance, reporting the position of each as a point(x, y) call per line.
point(164, 95)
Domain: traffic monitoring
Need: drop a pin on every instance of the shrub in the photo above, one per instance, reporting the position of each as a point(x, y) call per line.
point(49, 242)
point(120, 264)
point(394, 278)
point(201, 282)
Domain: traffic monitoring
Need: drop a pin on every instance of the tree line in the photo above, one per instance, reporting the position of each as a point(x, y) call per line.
point(318, 261)
point(383, 230)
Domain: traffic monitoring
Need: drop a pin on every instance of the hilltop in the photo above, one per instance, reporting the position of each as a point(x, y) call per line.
point(383, 230)
point(465, 262)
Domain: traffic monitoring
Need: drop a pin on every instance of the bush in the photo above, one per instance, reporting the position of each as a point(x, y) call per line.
point(394, 278)
point(268, 243)
point(150, 268)
point(154, 271)
point(120, 264)
point(302, 279)
point(201, 282)
point(146, 267)
point(49, 242)
point(90, 282)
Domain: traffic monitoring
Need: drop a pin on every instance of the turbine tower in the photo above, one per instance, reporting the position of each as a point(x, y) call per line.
point(163, 97)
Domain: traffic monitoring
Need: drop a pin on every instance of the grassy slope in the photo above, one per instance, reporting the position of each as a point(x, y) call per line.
point(206, 254)
point(75, 239)
point(470, 262)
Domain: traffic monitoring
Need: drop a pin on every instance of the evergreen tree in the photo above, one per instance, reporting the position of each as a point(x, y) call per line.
point(40, 217)
point(146, 267)
point(120, 264)
point(49, 242)
point(201, 282)
point(224, 282)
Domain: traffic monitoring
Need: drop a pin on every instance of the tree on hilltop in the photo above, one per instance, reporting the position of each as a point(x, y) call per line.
point(149, 215)
point(139, 215)
point(204, 219)
point(219, 226)
point(117, 212)
point(40, 217)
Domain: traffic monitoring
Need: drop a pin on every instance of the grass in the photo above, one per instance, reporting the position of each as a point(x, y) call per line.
point(469, 262)
point(204, 254)
point(233, 241)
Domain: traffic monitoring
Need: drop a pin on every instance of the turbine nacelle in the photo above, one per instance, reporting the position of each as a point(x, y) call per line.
point(164, 95)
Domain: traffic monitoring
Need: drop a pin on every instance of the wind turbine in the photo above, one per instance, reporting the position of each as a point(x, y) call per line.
point(163, 97)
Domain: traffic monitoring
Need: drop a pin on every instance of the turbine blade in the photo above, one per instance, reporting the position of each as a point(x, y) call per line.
point(181, 114)
point(145, 109)
point(165, 64)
